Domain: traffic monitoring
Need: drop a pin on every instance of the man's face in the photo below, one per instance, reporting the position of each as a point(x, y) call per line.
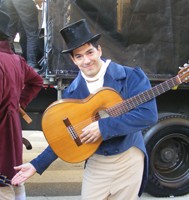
point(88, 60)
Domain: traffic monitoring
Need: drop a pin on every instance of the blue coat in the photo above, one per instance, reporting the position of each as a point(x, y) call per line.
point(118, 133)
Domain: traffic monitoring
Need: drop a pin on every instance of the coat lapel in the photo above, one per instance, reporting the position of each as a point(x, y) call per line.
point(78, 89)
point(113, 76)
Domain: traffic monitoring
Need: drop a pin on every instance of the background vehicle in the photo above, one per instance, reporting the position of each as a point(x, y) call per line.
point(150, 34)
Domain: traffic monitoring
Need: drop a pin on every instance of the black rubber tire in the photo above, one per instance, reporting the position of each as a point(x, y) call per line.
point(167, 144)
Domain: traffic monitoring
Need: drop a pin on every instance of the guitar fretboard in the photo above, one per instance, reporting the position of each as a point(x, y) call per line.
point(143, 97)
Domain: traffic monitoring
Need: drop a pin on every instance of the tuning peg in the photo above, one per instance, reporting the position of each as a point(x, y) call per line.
point(184, 66)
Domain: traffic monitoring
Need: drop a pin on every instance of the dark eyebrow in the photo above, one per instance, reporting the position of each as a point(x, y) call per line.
point(91, 49)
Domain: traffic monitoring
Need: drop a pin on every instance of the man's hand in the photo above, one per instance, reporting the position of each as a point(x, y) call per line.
point(90, 133)
point(39, 3)
point(25, 172)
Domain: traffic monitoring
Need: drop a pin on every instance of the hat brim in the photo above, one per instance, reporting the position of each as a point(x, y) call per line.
point(92, 39)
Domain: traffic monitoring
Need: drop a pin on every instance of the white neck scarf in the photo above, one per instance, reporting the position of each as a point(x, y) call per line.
point(97, 81)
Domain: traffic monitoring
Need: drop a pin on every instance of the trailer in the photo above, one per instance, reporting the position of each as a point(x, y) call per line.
point(150, 34)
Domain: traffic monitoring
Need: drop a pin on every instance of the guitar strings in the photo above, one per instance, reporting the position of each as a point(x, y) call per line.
point(131, 103)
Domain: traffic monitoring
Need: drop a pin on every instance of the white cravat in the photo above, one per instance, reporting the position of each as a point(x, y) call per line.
point(97, 81)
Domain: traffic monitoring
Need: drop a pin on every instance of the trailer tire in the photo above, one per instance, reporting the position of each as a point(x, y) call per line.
point(167, 144)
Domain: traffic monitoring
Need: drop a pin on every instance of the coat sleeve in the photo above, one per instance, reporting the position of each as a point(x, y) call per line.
point(135, 120)
point(44, 160)
point(33, 83)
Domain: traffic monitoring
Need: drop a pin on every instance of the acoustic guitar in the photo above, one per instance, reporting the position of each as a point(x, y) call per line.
point(63, 120)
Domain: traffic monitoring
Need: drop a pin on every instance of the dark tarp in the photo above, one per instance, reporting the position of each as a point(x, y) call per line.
point(147, 33)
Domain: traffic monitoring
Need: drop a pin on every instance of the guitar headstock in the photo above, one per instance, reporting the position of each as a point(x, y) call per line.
point(184, 73)
point(4, 181)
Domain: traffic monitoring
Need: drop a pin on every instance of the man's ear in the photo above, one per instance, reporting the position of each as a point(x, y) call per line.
point(99, 49)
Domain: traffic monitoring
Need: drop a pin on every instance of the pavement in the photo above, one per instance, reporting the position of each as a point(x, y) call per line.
point(144, 197)
point(61, 181)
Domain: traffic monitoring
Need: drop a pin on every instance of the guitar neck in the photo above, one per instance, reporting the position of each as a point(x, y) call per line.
point(143, 97)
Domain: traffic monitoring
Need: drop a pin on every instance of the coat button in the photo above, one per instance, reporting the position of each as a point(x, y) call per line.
point(117, 151)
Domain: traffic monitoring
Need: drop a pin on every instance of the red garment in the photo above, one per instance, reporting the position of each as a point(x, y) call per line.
point(19, 84)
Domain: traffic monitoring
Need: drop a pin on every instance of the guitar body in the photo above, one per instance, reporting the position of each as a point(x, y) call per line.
point(63, 120)
point(79, 113)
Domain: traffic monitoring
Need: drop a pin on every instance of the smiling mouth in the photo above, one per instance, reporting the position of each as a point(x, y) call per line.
point(88, 67)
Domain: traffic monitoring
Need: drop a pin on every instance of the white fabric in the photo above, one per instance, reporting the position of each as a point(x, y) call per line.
point(13, 193)
point(97, 81)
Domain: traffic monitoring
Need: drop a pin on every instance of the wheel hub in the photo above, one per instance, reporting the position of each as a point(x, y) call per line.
point(168, 155)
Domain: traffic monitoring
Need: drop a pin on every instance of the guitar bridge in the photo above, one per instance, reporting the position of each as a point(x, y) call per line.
point(72, 132)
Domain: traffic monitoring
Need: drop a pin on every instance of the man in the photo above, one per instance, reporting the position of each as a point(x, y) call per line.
point(118, 169)
point(19, 84)
point(24, 20)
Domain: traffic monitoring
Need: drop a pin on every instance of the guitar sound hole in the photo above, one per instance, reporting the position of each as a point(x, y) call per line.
point(101, 114)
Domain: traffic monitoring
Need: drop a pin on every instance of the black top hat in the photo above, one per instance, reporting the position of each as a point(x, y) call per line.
point(77, 34)
point(4, 23)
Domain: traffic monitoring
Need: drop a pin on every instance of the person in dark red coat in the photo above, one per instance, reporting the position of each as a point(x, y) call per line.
point(19, 84)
